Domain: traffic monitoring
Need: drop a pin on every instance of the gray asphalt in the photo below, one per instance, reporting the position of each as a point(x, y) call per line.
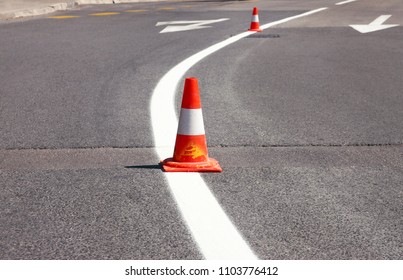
point(307, 125)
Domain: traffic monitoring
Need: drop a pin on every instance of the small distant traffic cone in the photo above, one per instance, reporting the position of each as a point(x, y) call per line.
point(190, 153)
point(254, 25)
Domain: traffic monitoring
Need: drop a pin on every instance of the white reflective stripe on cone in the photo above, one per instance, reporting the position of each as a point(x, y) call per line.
point(255, 18)
point(191, 122)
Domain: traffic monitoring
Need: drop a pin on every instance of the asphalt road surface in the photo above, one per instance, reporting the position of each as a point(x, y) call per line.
point(305, 118)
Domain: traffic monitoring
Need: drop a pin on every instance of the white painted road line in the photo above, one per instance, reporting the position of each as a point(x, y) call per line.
point(210, 227)
point(214, 233)
point(271, 24)
point(345, 2)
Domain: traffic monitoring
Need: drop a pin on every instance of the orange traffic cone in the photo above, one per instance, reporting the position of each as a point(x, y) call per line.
point(190, 153)
point(254, 25)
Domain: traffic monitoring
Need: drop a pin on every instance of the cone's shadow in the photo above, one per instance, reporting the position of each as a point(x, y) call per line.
point(150, 166)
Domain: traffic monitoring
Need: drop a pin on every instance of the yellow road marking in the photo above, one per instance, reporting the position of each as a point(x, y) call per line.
point(166, 8)
point(135, 11)
point(104, 14)
point(63, 17)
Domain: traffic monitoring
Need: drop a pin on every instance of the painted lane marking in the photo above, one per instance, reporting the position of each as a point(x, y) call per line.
point(135, 11)
point(176, 26)
point(345, 2)
point(63, 17)
point(375, 25)
point(166, 9)
point(268, 25)
point(214, 233)
point(116, 13)
point(210, 227)
point(104, 14)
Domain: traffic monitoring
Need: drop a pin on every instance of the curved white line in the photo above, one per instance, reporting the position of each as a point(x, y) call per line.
point(214, 233)
point(345, 2)
point(212, 230)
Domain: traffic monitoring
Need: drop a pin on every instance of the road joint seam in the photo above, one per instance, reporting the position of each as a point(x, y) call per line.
point(326, 145)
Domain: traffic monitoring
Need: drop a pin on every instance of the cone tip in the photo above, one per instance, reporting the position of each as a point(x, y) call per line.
point(191, 95)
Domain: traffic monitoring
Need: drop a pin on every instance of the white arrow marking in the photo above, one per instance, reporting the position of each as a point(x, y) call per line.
point(376, 25)
point(191, 25)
